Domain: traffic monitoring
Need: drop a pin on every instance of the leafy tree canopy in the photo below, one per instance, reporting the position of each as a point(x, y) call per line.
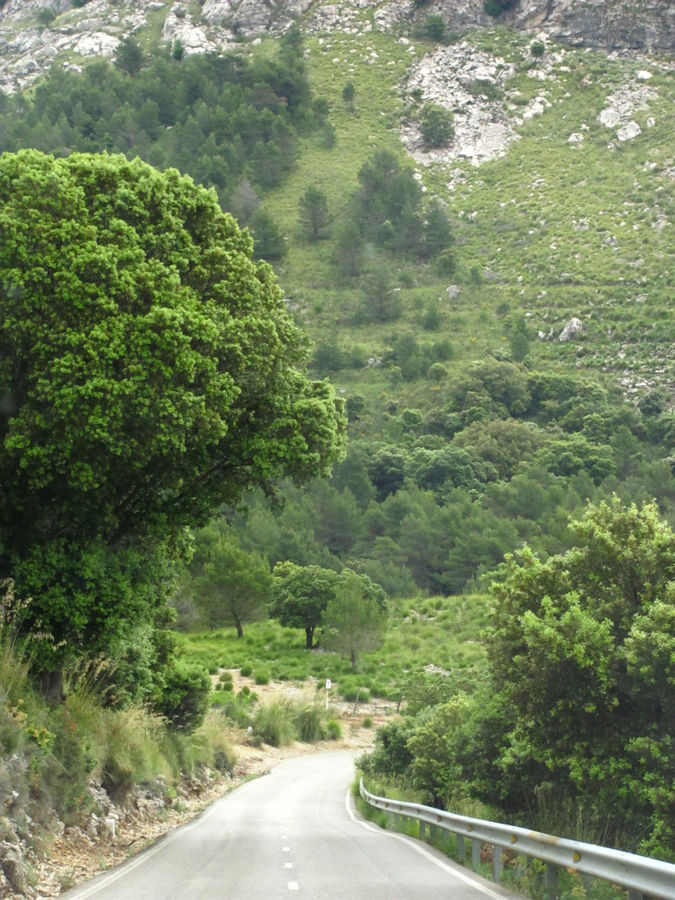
point(230, 586)
point(148, 373)
point(583, 647)
point(355, 619)
point(300, 595)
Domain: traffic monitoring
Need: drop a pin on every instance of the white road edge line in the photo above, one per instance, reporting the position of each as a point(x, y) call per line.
point(399, 837)
point(125, 868)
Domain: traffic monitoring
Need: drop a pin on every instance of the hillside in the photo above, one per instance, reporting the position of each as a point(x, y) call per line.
point(495, 311)
point(469, 209)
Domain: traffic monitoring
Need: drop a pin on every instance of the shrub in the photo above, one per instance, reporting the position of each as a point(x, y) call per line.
point(311, 722)
point(246, 670)
point(184, 696)
point(437, 372)
point(436, 126)
point(484, 87)
point(355, 693)
point(128, 748)
point(537, 49)
point(46, 16)
point(334, 730)
point(495, 8)
point(261, 676)
point(210, 743)
point(273, 723)
point(446, 262)
point(434, 27)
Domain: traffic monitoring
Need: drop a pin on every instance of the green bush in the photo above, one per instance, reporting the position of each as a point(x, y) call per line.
point(436, 126)
point(184, 696)
point(355, 693)
point(274, 723)
point(434, 27)
point(246, 670)
point(495, 8)
point(334, 730)
point(210, 744)
point(261, 676)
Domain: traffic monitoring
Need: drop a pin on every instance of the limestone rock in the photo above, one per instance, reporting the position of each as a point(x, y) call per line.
point(571, 330)
point(629, 131)
point(11, 862)
point(609, 117)
point(448, 77)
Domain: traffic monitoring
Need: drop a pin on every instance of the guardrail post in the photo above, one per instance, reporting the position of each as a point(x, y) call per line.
point(552, 880)
point(422, 830)
point(432, 833)
point(497, 864)
point(475, 854)
point(461, 849)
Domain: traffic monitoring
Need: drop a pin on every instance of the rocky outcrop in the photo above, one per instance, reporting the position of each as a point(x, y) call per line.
point(462, 79)
point(33, 33)
point(645, 25)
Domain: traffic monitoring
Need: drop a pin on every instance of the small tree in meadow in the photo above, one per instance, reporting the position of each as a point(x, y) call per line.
point(355, 620)
point(349, 94)
point(313, 215)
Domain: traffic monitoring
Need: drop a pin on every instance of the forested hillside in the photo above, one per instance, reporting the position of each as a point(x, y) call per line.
point(501, 333)
point(473, 232)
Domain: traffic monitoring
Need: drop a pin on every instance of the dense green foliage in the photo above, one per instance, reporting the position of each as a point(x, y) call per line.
point(219, 119)
point(301, 596)
point(355, 619)
point(501, 459)
point(435, 298)
point(476, 458)
point(228, 585)
point(149, 372)
point(575, 713)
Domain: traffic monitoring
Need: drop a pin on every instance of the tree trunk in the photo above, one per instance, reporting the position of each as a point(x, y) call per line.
point(240, 630)
point(309, 637)
point(52, 686)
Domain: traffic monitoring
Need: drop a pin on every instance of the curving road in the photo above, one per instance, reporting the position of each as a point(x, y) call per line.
point(290, 834)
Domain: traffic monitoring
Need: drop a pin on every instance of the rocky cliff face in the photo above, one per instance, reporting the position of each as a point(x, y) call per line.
point(645, 25)
point(33, 33)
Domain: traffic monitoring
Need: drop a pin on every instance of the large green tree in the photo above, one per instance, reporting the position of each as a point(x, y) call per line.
point(300, 594)
point(583, 647)
point(229, 585)
point(355, 619)
point(148, 373)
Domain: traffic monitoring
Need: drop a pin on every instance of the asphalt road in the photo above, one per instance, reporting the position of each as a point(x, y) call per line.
point(292, 833)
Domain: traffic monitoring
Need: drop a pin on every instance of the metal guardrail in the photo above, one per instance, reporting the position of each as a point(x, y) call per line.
point(641, 875)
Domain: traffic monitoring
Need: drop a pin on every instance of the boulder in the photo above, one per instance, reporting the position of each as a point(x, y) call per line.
point(11, 862)
point(629, 131)
point(571, 330)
